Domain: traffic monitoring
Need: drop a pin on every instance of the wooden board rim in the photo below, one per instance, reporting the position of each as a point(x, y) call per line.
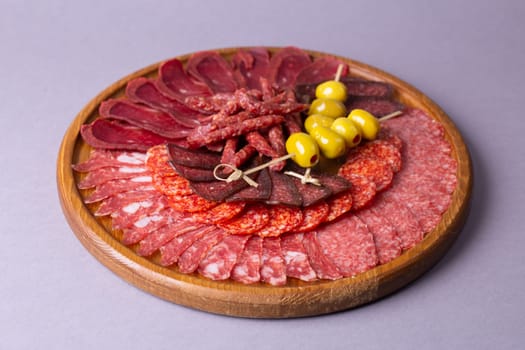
point(261, 301)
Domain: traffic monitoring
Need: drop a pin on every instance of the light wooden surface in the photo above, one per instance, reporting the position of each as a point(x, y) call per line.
point(297, 298)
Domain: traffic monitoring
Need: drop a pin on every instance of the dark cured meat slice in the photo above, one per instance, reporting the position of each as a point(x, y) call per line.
point(282, 219)
point(112, 187)
point(379, 107)
point(252, 64)
point(157, 239)
point(190, 204)
point(175, 83)
point(193, 158)
point(171, 251)
point(320, 70)
point(114, 134)
point(336, 184)
point(283, 190)
point(220, 213)
point(285, 65)
point(197, 139)
point(374, 169)
point(211, 68)
point(102, 175)
point(220, 260)
point(218, 191)
point(190, 259)
point(349, 244)
point(194, 174)
point(251, 220)
point(100, 158)
point(273, 269)
point(323, 267)
point(311, 194)
point(174, 185)
point(296, 259)
point(356, 88)
point(158, 122)
point(313, 216)
point(250, 193)
point(144, 90)
point(247, 268)
point(386, 238)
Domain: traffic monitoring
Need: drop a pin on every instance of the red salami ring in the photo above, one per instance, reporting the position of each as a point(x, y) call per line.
point(252, 219)
point(221, 213)
point(190, 204)
point(313, 216)
point(282, 219)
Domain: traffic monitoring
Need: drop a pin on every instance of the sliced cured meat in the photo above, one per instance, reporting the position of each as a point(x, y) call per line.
point(190, 204)
point(194, 174)
point(278, 143)
point(115, 134)
point(386, 238)
point(221, 258)
point(193, 158)
point(112, 187)
point(129, 214)
point(220, 213)
point(374, 169)
point(158, 122)
point(100, 158)
point(251, 220)
point(283, 190)
point(171, 251)
point(336, 184)
point(157, 239)
point(349, 244)
point(115, 203)
point(157, 161)
point(260, 193)
point(366, 88)
point(198, 139)
point(283, 219)
point(102, 175)
point(145, 91)
point(363, 191)
point(252, 64)
point(379, 107)
point(189, 260)
point(386, 150)
point(175, 83)
point(213, 69)
point(285, 65)
point(248, 266)
point(144, 226)
point(172, 185)
point(273, 268)
point(311, 194)
point(401, 218)
point(313, 216)
point(324, 268)
point(218, 191)
point(339, 205)
point(419, 204)
point(321, 69)
point(296, 259)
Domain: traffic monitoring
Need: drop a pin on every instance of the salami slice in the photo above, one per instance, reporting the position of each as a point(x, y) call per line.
point(386, 238)
point(174, 185)
point(349, 244)
point(157, 239)
point(189, 260)
point(190, 204)
point(115, 203)
point(127, 215)
point(251, 220)
point(99, 176)
point(171, 251)
point(220, 213)
point(273, 269)
point(323, 267)
point(144, 226)
point(313, 216)
point(100, 158)
point(282, 219)
point(247, 268)
point(113, 187)
point(296, 259)
point(220, 260)
point(157, 161)
point(374, 169)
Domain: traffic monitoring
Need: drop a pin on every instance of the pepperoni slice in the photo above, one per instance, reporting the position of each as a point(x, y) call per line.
point(313, 216)
point(252, 219)
point(221, 213)
point(339, 204)
point(157, 161)
point(172, 185)
point(190, 204)
point(374, 169)
point(282, 219)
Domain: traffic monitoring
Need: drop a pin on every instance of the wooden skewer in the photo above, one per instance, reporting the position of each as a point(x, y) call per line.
point(339, 72)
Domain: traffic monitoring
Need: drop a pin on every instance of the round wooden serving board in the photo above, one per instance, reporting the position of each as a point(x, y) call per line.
point(260, 300)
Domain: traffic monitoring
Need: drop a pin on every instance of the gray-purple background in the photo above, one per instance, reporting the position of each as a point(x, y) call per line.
point(55, 56)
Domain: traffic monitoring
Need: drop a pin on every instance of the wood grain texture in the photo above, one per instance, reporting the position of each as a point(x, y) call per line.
point(297, 298)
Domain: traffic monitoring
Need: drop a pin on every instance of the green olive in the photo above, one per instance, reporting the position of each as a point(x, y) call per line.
point(367, 122)
point(327, 107)
point(334, 90)
point(304, 149)
point(348, 130)
point(317, 120)
point(331, 144)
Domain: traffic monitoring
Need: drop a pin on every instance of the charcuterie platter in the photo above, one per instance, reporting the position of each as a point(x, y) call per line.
point(210, 180)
